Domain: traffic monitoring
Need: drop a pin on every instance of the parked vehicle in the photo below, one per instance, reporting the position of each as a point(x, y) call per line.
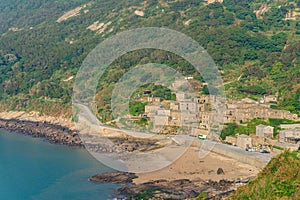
point(202, 137)
point(264, 151)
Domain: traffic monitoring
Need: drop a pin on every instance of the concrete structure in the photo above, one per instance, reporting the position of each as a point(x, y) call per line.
point(189, 119)
point(291, 136)
point(231, 140)
point(160, 122)
point(180, 97)
point(244, 141)
point(154, 99)
point(174, 106)
point(197, 131)
point(205, 118)
point(270, 99)
point(163, 112)
point(264, 131)
point(290, 126)
point(189, 107)
point(247, 109)
point(151, 110)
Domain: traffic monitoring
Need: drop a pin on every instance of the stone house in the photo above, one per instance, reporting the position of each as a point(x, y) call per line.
point(205, 118)
point(189, 119)
point(291, 136)
point(290, 126)
point(153, 99)
point(264, 131)
point(189, 107)
point(151, 110)
point(174, 106)
point(163, 112)
point(270, 98)
point(231, 140)
point(244, 141)
point(160, 121)
point(180, 96)
point(197, 131)
point(246, 112)
point(175, 118)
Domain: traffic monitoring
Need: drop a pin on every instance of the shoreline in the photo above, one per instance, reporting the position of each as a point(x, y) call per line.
point(187, 176)
point(52, 133)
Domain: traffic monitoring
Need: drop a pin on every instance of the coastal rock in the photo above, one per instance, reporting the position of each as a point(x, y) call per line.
point(114, 177)
point(51, 132)
point(163, 189)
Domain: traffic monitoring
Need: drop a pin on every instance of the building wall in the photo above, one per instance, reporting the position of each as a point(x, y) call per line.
point(189, 106)
point(289, 136)
point(160, 121)
point(264, 131)
point(244, 141)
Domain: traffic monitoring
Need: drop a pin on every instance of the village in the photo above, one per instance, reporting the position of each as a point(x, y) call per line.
point(192, 115)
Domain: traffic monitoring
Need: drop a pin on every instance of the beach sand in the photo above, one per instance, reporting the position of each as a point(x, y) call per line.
point(191, 166)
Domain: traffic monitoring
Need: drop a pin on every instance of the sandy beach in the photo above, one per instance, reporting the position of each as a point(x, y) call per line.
point(190, 166)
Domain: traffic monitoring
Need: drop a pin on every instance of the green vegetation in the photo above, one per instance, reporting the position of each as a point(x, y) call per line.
point(38, 58)
point(149, 193)
point(136, 108)
point(278, 147)
point(232, 129)
point(280, 179)
point(201, 196)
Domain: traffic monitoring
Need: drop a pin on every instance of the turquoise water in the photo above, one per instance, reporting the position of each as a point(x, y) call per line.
point(33, 169)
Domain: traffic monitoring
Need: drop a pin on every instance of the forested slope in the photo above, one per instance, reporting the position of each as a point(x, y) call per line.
point(257, 41)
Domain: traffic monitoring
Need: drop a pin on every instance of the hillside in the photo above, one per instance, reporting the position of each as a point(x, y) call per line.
point(280, 179)
point(254, 43)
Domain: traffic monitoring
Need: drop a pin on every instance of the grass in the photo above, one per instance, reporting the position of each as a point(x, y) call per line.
point(280, 179)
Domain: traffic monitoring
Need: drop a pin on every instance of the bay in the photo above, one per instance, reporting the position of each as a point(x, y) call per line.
point(31, 168)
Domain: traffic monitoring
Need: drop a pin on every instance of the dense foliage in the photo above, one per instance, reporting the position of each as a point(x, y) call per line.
point(39, 55)
point(280, 179)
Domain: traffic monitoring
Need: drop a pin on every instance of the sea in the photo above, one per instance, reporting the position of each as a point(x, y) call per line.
point(31, 168)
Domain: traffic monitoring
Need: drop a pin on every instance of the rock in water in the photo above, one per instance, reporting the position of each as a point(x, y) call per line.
point(114, 177)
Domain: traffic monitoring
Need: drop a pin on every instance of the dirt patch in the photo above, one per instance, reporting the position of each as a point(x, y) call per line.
point(96, 26)
point(73, 13)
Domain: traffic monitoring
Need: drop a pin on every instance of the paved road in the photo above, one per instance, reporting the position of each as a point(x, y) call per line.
point(185, 140)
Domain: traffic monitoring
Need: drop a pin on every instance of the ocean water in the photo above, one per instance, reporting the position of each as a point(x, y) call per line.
point(33, 169)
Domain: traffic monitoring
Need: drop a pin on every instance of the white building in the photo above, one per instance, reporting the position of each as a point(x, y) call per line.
point(264, 131)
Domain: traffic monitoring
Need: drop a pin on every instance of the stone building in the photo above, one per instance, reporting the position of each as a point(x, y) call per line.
point(163, 112)
point(247, 109)
point(151, 110)
point(153, 99)
point(160, 121)
point(189, 119)
point(231, 140)
point(291, 136)
point(205, 118)
point(244, 141)
point(290, 126)
point(270, 99)
point(264, 131)
point(189, 107)
point(180, 96)
point(174, 106)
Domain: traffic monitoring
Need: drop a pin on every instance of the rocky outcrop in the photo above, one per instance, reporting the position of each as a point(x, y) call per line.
point(163, 189)
point(122, 144)
point(114, 177)
point(167, 189)
point(51, 132)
